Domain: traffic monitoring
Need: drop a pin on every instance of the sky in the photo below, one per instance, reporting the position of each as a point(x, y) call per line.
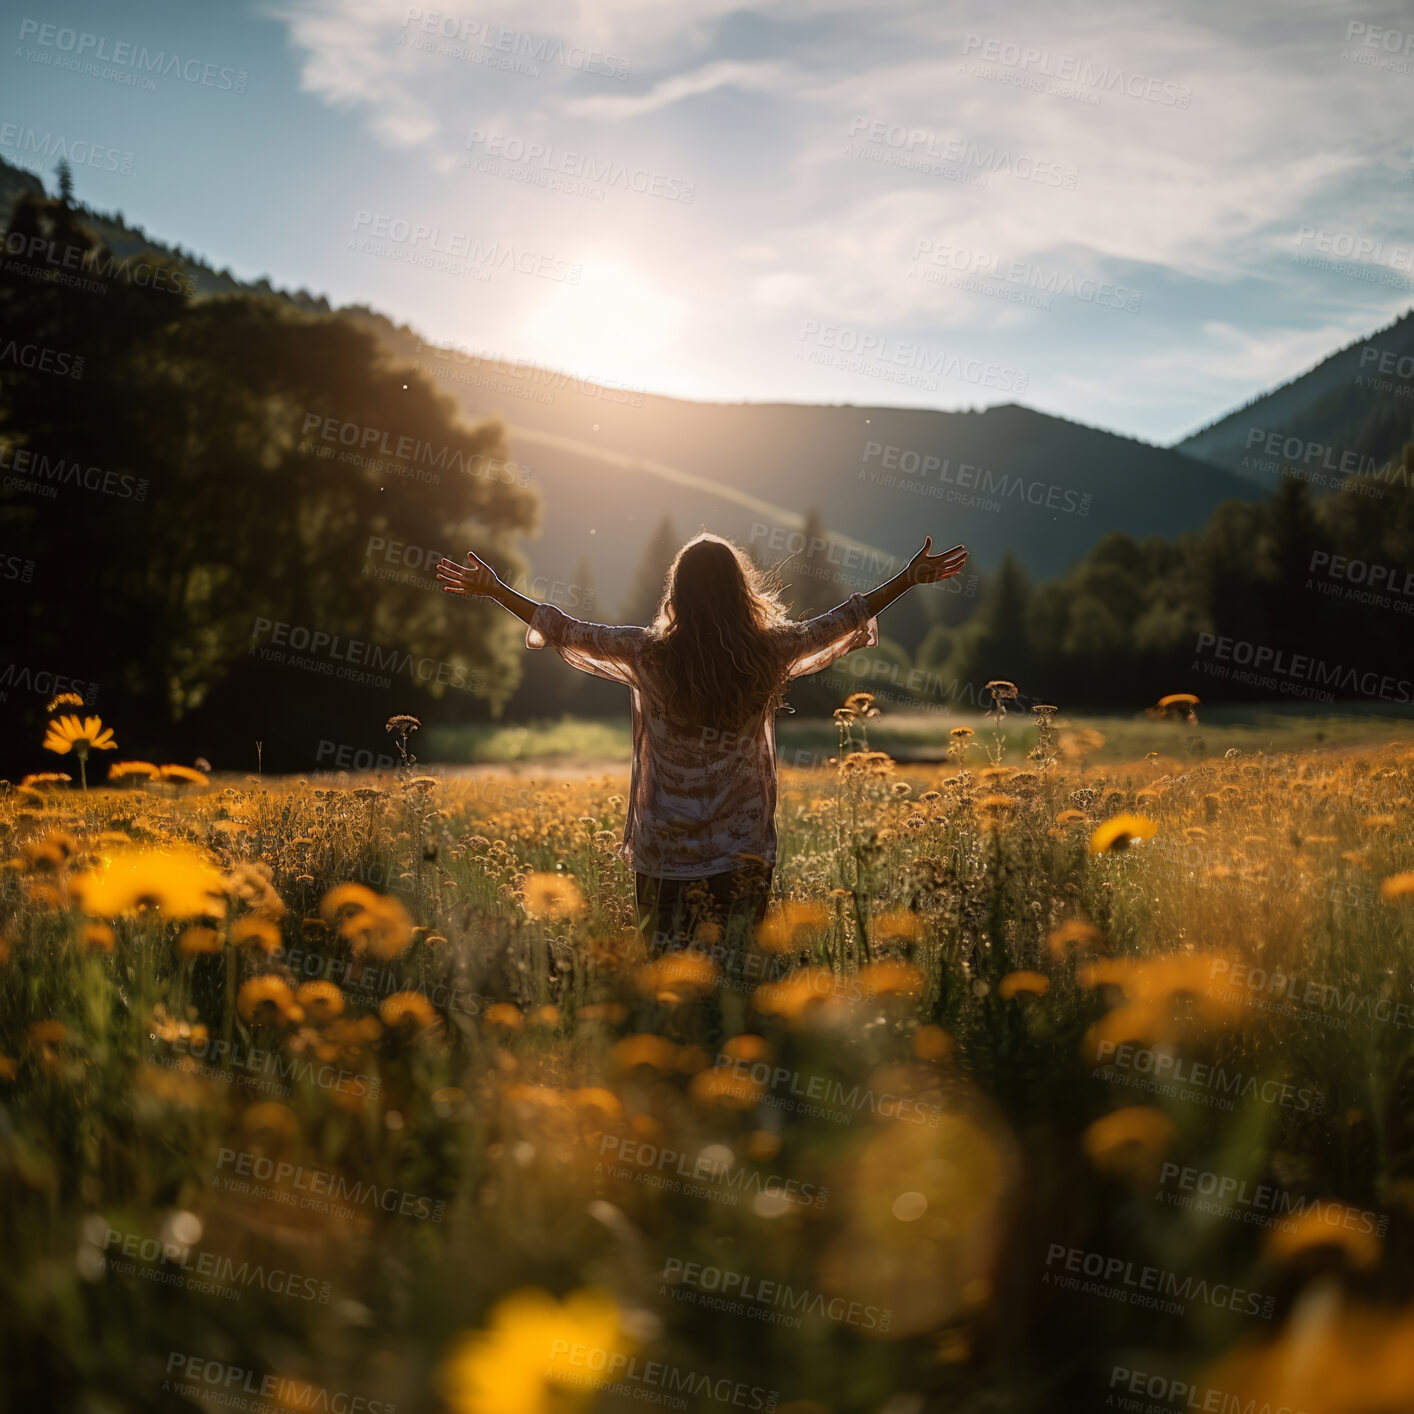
point(1133, 216)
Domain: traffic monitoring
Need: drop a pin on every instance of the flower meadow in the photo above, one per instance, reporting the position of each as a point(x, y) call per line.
point(1045, 1084)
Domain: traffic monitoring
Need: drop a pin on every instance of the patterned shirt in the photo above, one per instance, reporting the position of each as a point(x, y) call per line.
point(698, 797)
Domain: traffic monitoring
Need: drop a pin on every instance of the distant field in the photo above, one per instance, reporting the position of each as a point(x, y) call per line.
point(921, 737)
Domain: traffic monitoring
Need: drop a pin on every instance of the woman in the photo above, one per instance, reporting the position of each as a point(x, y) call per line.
point(706, 679)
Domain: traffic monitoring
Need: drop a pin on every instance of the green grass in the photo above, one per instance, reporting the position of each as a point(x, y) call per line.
point(918, 736)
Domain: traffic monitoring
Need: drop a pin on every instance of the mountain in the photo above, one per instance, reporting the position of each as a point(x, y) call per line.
point(611, 463)
point(1351, 413)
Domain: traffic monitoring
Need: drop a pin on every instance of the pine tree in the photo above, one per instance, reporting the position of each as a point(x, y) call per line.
point(66, 181)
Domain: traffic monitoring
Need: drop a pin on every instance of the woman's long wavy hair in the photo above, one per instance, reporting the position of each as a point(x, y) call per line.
point(710, 642)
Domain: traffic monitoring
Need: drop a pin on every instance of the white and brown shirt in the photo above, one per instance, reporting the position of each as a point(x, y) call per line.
point(698, 798)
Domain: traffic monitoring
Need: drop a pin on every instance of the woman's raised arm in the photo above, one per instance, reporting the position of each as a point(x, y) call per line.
point(924, 568)
point(476, 577)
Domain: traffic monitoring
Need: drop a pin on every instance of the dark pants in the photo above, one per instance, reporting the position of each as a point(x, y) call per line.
point(671, 912)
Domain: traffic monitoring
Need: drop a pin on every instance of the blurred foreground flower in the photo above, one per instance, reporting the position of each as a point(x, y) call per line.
point(1120, 832)
point(925, 1221)
point(1168, 998)
point(370, 922)
point(551, 896)
point(1130, 1143)
point(537, 1355)
point(1332, 1357)
point(175, 881)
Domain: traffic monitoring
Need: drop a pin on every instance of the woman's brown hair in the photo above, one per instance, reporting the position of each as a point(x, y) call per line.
point(711, 639)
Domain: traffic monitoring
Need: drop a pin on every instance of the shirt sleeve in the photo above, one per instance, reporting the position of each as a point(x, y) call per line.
point(606, 650)
point(813, 644)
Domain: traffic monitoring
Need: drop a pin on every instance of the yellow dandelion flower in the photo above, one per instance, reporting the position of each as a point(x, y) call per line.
point(932, 1043)
point(961, 733)
point(66, 734)
point(1398, 888)
point(64, 699)
point(1121, 831)
point(677, 976)
point(128, 772)
point(1130, 1143)
point(535, 1353)
point(748, 1048)
point(1073, 936)
point(183, 775)
point(785, 921)
point(899, 925)
point(409, 1010)
point(369, 922)
point(882, 979)
point(1327, 1227)
point(267, 999)
point(1018, 984)
point(322, 1001)
point(551, 896)
point(96, 937)
point(196, 940)
point(256, 933)
point(504, 1016)
point(646, 1048)
point(173, 880)
point(725, 1089)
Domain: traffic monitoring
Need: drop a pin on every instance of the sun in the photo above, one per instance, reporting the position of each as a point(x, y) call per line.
point(613, 327)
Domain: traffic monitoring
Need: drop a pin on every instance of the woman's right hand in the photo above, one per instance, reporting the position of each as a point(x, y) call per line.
point(927, 568)
point(474, 577)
